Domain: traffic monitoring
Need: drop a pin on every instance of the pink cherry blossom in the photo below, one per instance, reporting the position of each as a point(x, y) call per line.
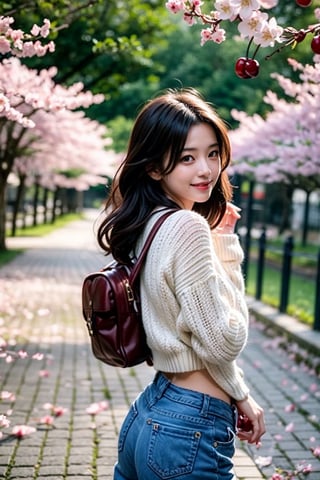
point(4, 422)
point(277, 476)
point(290, 427)
point(269, 34)
point(56, 411)
point(7, 396)
point(5, 23)
point(263, 461)
point(22, 354)
point(21, 431)
point(219, 35)
point(245, 7)
point(16, 42)
point(290, 408)
point(97, 407)
point(206, 34)
point(47, 420)
point(5, 46)
point(37, 356)
point(316, 451)
point(43, 31)
point(251, 26)
point(175, 6)
point(268, 3)
point(226, 10)
point(304, 468)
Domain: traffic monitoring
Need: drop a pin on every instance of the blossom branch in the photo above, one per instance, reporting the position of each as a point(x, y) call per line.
point(254, 25)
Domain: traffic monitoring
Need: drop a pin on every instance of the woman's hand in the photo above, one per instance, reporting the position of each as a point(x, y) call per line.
point(254, 413)
point(229, 220)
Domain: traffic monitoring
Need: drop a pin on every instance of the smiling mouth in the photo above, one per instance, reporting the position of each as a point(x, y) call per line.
point(201, 185)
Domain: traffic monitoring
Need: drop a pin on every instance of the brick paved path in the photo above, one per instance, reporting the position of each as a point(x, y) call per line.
point(44, 287)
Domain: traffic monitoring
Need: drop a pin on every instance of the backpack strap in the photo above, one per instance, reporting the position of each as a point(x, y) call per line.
point(137, 266)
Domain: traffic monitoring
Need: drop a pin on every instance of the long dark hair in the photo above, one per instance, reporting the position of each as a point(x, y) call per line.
point(160, 130)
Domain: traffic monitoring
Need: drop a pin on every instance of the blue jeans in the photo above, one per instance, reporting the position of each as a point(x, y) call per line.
point(175, 433)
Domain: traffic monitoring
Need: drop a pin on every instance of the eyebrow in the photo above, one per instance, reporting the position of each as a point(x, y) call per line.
point(193, 148)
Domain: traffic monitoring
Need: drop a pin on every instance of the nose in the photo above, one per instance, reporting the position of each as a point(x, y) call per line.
point(203, 167)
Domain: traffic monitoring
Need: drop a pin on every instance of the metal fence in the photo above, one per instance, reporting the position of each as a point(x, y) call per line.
point(287, 254)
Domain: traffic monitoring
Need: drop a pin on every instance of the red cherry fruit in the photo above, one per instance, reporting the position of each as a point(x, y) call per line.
point(244, 423)
point(315, 44)
point(240, 68)
point(246, 67)
point(300, 36)
point(304, 3)
point(252, 67)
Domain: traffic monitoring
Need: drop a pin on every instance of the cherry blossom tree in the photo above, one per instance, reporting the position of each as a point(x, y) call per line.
point(283, 147)
point(70, 152)
point(255, 25)
point(42, 133)
point(15, 42)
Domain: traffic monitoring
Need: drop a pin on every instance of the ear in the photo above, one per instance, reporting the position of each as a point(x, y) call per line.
point(154, 174)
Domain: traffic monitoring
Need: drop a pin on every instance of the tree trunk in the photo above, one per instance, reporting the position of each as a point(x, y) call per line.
point(45, 204)
point(3, 185)
point(286, 209)
point(55, 203)
point(17, 204)
point(305, 225)
point(35, 203)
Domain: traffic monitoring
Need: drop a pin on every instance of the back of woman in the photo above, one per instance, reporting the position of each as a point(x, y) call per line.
point(183, 425)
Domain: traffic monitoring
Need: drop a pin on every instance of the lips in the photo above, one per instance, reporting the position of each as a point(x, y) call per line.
point(203, 185)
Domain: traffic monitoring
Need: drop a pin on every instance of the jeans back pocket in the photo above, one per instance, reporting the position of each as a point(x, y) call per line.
point(172, 450)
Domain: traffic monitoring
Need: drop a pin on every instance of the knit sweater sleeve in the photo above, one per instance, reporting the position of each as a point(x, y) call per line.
point(230, 253)
point(209, 317)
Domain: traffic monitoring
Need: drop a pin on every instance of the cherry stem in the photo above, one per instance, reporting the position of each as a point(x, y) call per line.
point(279, 49)
point(256, 51)
point(248, 47)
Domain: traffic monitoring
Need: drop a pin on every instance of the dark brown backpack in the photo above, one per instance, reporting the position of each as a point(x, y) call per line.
point(112, 311)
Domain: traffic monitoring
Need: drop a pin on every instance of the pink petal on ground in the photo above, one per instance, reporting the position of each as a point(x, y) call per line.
point(290, 427)
point(21, 431)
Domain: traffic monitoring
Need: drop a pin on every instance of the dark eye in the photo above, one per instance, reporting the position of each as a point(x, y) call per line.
point(214, 154)
point(187, 159)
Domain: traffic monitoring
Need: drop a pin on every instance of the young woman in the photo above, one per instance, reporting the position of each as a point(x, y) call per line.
point(183, 425)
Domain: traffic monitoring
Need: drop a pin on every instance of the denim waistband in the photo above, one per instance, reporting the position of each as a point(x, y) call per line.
point(205, 404)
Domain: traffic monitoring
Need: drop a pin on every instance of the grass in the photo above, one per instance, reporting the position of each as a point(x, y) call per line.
point(303, 256)
point(44, 229)
point(7, 255)
point(301, 295)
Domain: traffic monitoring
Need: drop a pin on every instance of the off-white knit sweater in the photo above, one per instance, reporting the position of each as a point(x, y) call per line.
point(193, 306)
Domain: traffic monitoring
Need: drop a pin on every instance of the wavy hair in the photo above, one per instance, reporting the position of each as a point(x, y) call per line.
point(159, 132)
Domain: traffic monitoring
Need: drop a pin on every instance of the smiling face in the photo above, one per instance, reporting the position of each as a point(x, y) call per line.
point(195, 175)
